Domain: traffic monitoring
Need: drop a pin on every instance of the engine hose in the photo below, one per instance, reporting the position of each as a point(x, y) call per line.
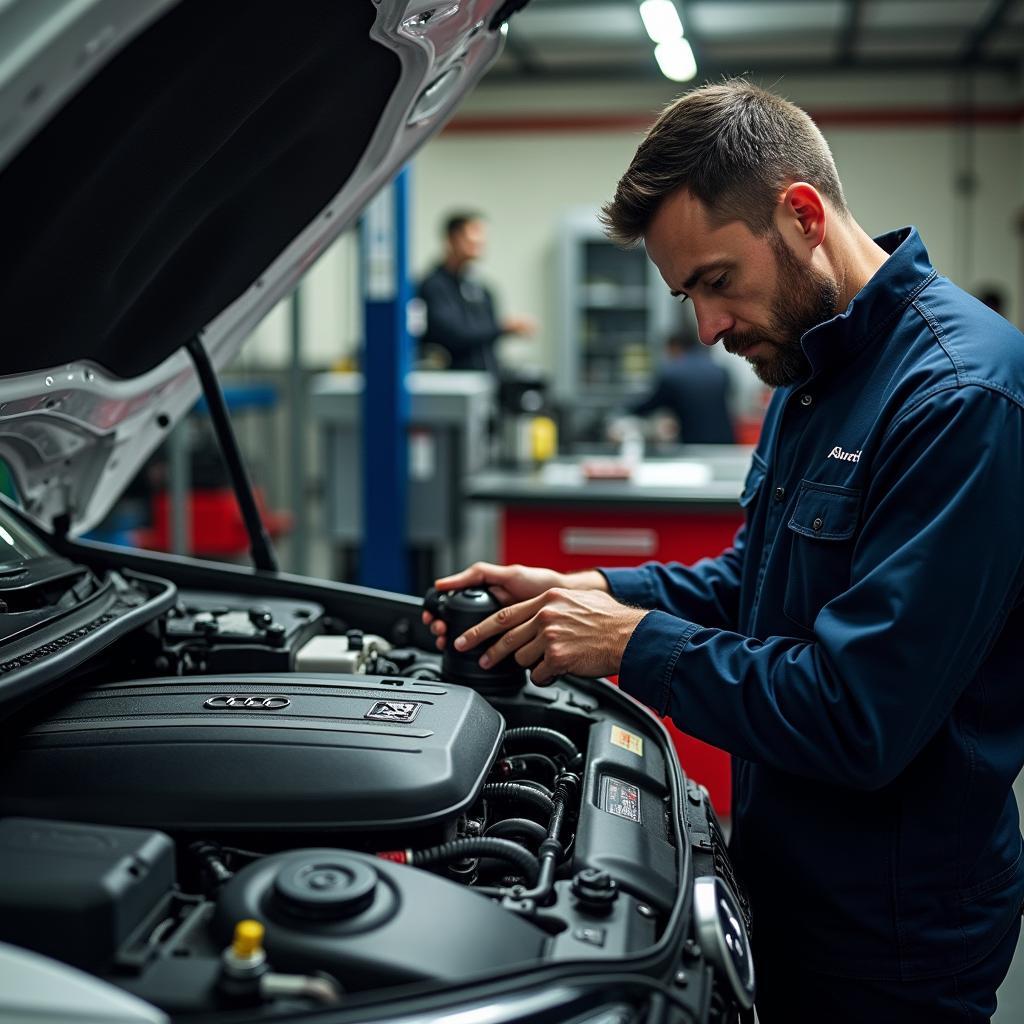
point(211, 862)
point(516, 769)
point(540, 759)
point(566, 789)
point(522, 828)
point(533, 784)
point(516, 791)
point(541, 734)
point(472, 846)
point(422, 670)
point(551, 849)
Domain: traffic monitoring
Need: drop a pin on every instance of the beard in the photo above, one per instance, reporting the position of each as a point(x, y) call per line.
point(805, 298)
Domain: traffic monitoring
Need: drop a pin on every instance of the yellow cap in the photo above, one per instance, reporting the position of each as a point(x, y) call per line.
point(543, 438)
point(248, 939)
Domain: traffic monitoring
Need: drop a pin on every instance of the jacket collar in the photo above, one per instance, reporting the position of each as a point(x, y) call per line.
point(874, 308)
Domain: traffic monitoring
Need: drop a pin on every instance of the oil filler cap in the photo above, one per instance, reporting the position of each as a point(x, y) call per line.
point(331, 888)
point(596, 890)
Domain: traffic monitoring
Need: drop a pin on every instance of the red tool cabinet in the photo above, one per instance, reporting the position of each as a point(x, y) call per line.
point(571, 536)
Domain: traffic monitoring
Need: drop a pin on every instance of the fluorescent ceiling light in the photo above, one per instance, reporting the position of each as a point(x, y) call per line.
point(661, 19)
point(676, 60)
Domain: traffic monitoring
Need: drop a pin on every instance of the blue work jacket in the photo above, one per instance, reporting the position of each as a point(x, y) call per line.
point(860, 647)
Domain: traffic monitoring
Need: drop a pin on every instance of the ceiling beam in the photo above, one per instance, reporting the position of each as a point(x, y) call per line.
point(836, 117)
point(849, 31)
point(984, 31)
point(526, 60)
point(950, 35)
point(642, 71)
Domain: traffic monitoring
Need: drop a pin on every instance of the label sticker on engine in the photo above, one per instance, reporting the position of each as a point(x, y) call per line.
point(628, 740)
point(620, 798)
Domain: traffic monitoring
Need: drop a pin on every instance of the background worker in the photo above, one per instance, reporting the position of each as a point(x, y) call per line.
point(461, 315)
point(694, 389)
point(858, 649)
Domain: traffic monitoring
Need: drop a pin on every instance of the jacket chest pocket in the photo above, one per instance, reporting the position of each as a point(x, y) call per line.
point(822, 533)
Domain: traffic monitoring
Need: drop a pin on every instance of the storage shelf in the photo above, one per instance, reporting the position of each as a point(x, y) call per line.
point(608, 296)
point(614, 316)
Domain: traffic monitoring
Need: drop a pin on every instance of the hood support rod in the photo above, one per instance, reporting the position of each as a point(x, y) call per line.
point(259, 542)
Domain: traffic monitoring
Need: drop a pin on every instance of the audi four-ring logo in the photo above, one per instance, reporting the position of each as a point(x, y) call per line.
point(248, 701)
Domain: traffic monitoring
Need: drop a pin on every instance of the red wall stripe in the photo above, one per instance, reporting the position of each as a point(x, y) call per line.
point(921, 117)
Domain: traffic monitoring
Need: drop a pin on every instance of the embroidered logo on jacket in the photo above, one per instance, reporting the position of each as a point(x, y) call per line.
point(838, 453)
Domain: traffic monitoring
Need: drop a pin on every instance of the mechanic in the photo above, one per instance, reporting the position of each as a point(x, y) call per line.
point(694, 389)
point(460, 310)
point(859, 648)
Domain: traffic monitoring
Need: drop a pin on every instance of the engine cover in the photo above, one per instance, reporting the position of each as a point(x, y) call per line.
point(214, 753)
point(369, 922)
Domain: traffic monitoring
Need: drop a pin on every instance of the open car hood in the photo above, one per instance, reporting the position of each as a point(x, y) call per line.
point(169, 169)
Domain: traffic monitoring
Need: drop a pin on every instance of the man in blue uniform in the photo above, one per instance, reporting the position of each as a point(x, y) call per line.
point(694, 388)
point(860, 647)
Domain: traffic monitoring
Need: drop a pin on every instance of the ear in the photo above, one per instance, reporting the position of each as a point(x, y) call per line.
point(801, 215)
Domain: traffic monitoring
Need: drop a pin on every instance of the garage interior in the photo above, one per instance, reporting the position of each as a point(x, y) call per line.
point(543, 461)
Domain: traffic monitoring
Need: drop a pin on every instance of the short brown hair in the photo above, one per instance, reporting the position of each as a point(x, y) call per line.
point(735, 146)
point(455, 222)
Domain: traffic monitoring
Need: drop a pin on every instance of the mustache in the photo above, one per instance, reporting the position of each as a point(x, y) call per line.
point(737, 344)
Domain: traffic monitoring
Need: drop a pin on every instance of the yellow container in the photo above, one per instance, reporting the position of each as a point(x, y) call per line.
point(543, 438)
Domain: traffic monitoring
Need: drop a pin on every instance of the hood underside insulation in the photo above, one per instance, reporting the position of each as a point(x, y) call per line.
point(170, 182)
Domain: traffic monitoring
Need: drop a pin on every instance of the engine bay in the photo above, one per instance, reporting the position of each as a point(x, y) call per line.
point(253, 802)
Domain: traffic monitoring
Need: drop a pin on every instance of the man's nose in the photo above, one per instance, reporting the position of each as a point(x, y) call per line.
point(712, 324)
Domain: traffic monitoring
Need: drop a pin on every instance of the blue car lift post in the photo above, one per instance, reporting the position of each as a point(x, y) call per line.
point(384, 555)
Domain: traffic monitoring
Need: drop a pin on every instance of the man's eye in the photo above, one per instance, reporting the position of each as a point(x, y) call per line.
point(719, 283)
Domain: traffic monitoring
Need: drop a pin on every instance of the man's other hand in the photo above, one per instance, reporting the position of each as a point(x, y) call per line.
point(580, 631)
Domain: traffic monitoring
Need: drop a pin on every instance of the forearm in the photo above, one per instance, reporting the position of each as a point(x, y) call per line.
point(587, 579)
point(774, 702)
point(707, 592)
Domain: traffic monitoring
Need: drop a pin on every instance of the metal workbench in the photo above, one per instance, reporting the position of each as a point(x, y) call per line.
point(448, 440)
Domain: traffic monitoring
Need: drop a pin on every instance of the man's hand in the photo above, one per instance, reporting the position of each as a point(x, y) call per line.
point(523, 326)
point(580, 631)
point(511, 583)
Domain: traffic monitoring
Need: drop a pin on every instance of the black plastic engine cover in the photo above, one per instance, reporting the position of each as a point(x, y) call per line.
point(369, 922)
point(346, 753)
point(76, 892)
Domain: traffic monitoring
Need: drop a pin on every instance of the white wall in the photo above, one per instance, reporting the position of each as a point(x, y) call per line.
point(893, 175)
point(331, 315)
point(524, 184)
